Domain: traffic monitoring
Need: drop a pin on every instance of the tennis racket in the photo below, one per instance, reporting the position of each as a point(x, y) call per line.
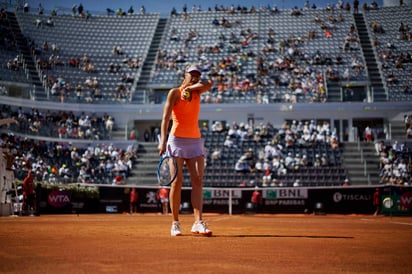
point(166, 170)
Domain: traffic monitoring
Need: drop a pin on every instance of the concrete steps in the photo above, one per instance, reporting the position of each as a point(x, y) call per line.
point(145, 168)
point(361, 163)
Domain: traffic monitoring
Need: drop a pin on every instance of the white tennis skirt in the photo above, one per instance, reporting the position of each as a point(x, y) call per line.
point(186, 148)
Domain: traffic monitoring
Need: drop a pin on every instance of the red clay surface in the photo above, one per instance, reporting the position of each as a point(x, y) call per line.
point(141, 243)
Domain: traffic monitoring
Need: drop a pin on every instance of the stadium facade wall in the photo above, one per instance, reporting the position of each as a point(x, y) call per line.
point(129, 116)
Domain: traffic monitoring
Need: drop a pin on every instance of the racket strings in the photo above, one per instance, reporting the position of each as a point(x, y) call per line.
point(167, 170)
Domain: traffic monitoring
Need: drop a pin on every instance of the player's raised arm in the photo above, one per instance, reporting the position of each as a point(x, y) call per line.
point(201, 86)
point(172, 99)
point(193, 83)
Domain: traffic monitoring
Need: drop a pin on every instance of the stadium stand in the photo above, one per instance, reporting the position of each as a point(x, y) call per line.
point(12, 67)
point(67, 162)
point(285, 59)
point(61, 125)
point(249, 54)
point(230, 50)
point(313, 161)
point(79, 49)
point(393, 48)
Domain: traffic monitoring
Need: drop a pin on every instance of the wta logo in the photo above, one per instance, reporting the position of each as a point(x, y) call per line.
point(59, 198)
point(406, 200)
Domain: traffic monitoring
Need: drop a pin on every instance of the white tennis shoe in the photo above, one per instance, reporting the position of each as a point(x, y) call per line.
point(201, 228)
point(175, 231)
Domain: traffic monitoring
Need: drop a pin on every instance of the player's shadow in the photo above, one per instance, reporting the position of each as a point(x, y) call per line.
point(283, 236)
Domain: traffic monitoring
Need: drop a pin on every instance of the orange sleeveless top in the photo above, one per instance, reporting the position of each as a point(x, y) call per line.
point(185, 117)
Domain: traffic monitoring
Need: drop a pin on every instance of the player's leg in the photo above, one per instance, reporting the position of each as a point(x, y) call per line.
point(175, 198)
point(175, 190)
point(196, 167)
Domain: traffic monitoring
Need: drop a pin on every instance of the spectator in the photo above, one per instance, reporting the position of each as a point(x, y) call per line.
point(29, 194)
point(407, 120)
point(346, 182)
point(217, 126)
point(109, 11)
point(242, 166)
point(409, 132)
point(216, 155)
point(368, 134)
point(229, 142)
point(173, 12)
point(297, 183)
point(146, 135)
point(40, 9)
point(134, 196)
point(38, 22)
point(377, 201)
point(109, 124)
point(355, 6)
point(26, 7)
point(50, 22)
point(256, 199)
point(267, 178)
point(163, 197)
point(74, 10)
point(80, 9)
point(118, 180)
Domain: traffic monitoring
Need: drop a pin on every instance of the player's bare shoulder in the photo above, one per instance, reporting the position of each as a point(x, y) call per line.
point(173, 92)
point(173, 96)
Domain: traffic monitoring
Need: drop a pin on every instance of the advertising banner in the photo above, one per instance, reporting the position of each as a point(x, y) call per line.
point(338, 200)
point(285, 200)
point(344, 200)
point(396, 201)
point(216, 200)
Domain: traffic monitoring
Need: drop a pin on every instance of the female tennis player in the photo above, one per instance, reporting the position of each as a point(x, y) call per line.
point(185, 144)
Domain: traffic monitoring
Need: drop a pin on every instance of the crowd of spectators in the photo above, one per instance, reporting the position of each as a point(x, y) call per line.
point(90, 89)
point(286, 69)
point(395, 157)
point(301, 70)
point(295, 72)
point(395, 165)
point(293, 67)
point(61, 124)
point(392, 42)
point(99, 161)
point(62, 162)
point(274, 152)
point(50, 56)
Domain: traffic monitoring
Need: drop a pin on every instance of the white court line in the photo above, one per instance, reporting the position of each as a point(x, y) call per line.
point(225, 218)
point(400, 223)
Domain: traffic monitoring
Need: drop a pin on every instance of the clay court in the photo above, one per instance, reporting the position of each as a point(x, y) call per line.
point(141, 243)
